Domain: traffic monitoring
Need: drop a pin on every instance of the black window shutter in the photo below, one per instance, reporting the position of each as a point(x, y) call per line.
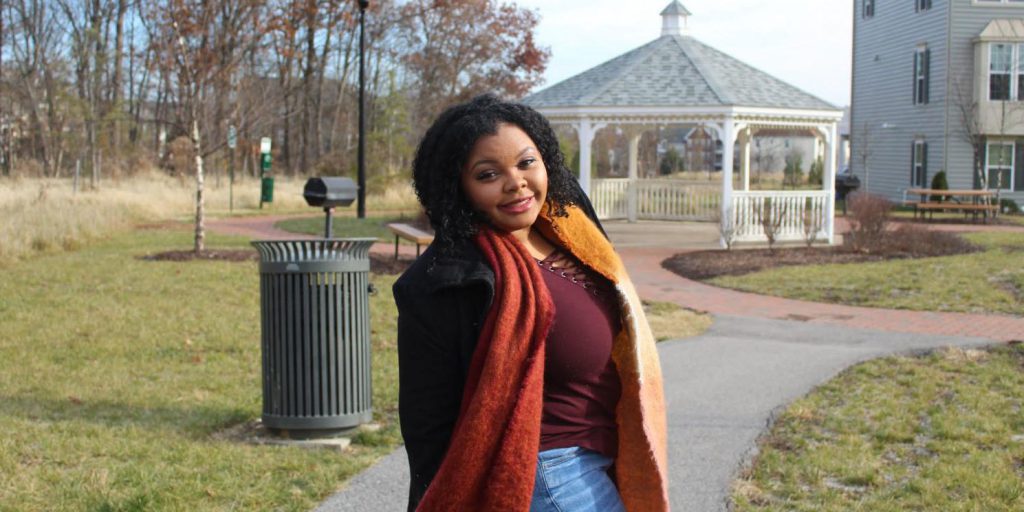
point(1018, 166)
point(924, 165)
point(914, 82)
point(913, 151)
point(926, 63)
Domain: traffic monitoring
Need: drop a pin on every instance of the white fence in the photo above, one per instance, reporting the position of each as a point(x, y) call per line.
point(796, 213)
point(610, 198)
point(655, 199)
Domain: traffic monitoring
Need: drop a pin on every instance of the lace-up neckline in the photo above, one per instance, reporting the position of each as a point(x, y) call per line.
point(567, 267)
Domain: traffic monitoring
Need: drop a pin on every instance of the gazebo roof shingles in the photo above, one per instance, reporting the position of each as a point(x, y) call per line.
point(675, 71)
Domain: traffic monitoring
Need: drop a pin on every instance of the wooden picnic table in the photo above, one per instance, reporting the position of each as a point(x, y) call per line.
point(968, 201)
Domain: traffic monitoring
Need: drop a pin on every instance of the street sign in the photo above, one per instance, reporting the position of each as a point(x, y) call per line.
point(265, 145)
point(232, 137)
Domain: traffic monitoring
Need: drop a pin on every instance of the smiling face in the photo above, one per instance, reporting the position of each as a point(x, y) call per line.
point(505, 179)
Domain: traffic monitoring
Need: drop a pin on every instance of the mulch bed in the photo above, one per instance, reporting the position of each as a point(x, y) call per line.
point(900, 244)
point(206, 255)
point(379, 263)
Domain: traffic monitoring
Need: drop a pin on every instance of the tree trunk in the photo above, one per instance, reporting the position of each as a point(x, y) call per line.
point(115, 97)
point(200, 238)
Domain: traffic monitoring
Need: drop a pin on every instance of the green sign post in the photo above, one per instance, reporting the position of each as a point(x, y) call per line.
point(266, 181)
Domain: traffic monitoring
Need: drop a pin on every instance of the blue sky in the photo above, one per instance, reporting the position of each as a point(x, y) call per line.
point(806, 43)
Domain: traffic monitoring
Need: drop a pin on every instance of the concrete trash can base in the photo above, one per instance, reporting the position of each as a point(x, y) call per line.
point(315, 334)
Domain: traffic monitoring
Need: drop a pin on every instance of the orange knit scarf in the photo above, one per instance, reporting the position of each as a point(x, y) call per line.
point(492, 455)
point(491, 460)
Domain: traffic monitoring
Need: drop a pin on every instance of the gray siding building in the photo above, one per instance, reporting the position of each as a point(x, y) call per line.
point(938, 85)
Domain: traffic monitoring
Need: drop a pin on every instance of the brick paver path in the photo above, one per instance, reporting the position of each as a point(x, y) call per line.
point(262, 228)
point(654, 282)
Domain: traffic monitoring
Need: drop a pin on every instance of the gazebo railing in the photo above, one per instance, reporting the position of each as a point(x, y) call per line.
point(610, 198)
point(795, 211)
point(664, 199)
point(656, 199)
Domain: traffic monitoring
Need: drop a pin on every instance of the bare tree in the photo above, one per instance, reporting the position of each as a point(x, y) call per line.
point(970, 126)
point(974, 129)
point(812, 221)
point(194, 49)
point(770, 216)
point(460, 48)
point(40, 84)
point(727, 226)
point(865, 146)
point(5, 155)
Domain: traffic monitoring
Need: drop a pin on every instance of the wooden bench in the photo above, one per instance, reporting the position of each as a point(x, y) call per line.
point(973, 209)
point(412, 234)
point(973, 202)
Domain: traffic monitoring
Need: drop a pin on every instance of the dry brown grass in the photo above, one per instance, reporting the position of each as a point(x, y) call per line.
point(45, 215)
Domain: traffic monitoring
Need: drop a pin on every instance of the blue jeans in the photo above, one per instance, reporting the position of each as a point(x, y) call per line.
point(574, 480)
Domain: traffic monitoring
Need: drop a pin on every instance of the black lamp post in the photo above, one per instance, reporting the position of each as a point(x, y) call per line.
point(361, 202)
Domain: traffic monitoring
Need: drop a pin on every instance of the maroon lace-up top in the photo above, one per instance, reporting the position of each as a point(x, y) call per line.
point(581, 385)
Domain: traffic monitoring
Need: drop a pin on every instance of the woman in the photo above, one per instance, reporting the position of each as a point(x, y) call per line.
point(527, 369)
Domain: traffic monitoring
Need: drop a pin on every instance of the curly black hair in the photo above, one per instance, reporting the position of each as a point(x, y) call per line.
point(442, 154)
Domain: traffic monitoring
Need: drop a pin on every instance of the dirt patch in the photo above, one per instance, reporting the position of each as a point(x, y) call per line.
point(206, 255)
point(387, 264)
point(167, 224)
point(904, 243)
point(379, 263)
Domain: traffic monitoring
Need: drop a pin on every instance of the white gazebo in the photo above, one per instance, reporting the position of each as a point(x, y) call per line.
point(677, 80)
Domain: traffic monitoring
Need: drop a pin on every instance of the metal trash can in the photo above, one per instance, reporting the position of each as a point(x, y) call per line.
point(267, 189)
point(315, 323)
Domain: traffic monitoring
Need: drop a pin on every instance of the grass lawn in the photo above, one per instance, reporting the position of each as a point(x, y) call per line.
point(668, 321)
point(347, 226)
point(939, 432)
point(116, 372)
point(986, 282)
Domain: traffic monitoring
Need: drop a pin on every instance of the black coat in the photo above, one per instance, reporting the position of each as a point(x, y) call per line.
point(442, 303)
point(441, 308)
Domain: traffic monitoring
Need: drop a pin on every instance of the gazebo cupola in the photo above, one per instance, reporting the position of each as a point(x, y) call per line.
point(673, 20)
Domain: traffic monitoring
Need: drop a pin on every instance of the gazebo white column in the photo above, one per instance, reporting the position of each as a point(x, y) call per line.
point(727, 134)
point(829, 179)
point(745, 139)
point(586, 131)
point(634, 152)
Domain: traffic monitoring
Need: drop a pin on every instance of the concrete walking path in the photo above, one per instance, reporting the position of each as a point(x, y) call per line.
point(722, 391)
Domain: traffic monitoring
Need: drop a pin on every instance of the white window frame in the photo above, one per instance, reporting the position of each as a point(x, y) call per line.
point(997, 3)
point(922, 5)
point(920, 158)
point(1008, 167)
point(1016, 70)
